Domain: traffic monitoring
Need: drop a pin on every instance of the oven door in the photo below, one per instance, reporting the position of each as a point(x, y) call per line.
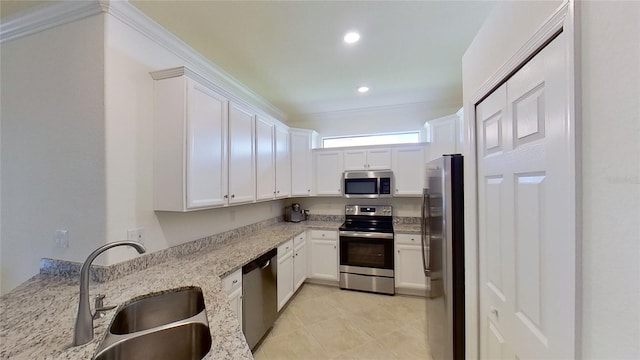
point(366, 253)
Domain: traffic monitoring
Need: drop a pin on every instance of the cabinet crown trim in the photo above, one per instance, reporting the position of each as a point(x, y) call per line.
point(41, 18)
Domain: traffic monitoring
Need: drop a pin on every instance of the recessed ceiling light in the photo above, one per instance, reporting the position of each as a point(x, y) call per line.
point(363, 89)
point(351, 37)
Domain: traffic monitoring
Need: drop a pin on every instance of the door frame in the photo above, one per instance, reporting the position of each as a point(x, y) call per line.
point(563, 19)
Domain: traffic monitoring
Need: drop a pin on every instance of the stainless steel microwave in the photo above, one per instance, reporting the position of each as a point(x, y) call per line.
point(367, 184)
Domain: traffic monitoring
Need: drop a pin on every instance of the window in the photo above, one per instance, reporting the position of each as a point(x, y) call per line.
point(378, 139)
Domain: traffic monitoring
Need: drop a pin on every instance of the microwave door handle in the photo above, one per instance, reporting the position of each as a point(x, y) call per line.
point(426, 238)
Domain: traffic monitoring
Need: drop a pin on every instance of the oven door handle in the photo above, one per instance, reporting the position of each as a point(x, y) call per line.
point(362, 234)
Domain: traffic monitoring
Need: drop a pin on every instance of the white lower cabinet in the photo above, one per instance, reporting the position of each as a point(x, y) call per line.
point(299, 260)
point(285, 273)
point(323, 263)
point(292, 265)
point(233, 287)
point(409, 272)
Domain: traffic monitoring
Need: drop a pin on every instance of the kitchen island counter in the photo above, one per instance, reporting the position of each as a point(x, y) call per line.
point(37, 318)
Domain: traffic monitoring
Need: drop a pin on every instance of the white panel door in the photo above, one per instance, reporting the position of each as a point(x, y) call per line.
point(265, 160)
point(242, 186)
point(527, 213)
point(206, 147)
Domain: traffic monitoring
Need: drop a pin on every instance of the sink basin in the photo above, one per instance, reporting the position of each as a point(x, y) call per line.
point(158, 310)
point(185, 342)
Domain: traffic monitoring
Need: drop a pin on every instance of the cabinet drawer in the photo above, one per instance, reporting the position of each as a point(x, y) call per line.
point(299, 239)
point(232, 281)
point(285, 248)
point(409, 239)
point(324, 234)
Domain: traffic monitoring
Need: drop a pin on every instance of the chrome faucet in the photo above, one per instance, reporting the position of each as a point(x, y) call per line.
point(83, 332)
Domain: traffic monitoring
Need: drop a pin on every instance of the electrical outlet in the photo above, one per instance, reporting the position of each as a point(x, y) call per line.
point(136, 235)
point(62, 239)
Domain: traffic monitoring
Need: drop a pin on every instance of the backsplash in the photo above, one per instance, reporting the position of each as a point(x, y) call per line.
point(101, 273)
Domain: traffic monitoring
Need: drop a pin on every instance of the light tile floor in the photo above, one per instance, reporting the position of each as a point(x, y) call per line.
point(324, 322)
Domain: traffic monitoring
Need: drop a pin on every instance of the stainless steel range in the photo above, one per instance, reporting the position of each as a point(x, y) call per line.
point(366, 249)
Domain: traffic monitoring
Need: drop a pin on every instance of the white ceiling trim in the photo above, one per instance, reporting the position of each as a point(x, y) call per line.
point(34, 20)
point(31, 21)
point(382, 108)
point(232, 88)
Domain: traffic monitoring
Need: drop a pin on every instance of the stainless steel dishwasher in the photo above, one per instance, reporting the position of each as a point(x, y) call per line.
point(259, 297)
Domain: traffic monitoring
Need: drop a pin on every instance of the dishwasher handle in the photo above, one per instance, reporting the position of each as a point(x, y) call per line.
point(266, 265)
point(262, 262)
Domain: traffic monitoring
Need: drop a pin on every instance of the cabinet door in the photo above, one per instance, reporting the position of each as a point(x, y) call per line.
point(265, 187)
point(301, 160)
point(299, 265)
point(285, 279)
point(409, 272)
point(355, 159)
point(188, 118)
point(379, 159)
point(324, 259)
point(241, 155)
point(329, 170)
point(408, 164)
point(235, 300)
point(444, 136)
point(283, 163)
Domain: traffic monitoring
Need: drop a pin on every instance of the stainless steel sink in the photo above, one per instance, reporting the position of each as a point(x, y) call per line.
point(158, 310)
point(185, 342)
point(171, 325)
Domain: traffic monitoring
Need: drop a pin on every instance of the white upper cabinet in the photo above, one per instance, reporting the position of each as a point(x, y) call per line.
point(265, 159)
point(190, 144)
point(367, 159)
point(301, 161)
point(329, 168)
point(408, 165)
point(444, 135)
point(242, 186)
point(283, 162)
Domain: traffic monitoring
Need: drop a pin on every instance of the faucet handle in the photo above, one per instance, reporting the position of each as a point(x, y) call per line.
point(100, 308)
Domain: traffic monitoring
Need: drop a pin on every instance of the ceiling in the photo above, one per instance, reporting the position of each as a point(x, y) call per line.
point(292, 52)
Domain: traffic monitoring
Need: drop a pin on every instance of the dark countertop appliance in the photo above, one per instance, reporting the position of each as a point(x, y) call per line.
point(294, 213)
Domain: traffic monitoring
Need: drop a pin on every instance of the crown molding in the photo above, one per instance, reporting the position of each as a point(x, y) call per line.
point(31, 21)
point(34, 20)
point(370, 109)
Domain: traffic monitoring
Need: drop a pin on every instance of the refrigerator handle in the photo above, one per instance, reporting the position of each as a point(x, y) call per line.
point(426, 217)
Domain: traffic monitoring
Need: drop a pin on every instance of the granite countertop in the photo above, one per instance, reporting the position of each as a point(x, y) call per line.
point(412, 229)
point(38, 316)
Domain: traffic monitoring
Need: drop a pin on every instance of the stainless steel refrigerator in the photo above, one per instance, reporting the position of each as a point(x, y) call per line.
point(443, 256)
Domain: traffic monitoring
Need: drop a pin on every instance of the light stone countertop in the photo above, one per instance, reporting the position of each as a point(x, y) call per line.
point(412, 229)
point(37, 318)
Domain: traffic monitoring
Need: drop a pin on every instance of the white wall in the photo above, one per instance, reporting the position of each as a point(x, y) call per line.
point(611, 177)
point(53, 161)
point(77, 149)
point(386, 119)
point(610, 135)
point(130, 57)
